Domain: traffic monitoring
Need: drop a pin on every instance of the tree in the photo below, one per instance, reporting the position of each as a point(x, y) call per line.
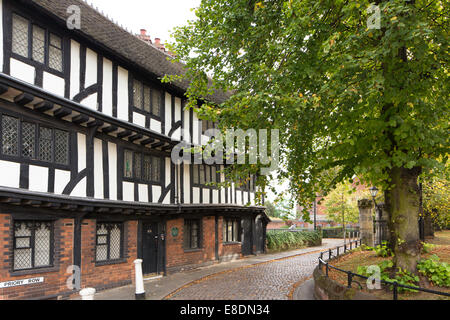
point(271, 211)
point(341, 204)
point(436, 200)
point(371, 102)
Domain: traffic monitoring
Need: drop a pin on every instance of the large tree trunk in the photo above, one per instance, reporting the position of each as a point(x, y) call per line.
point(403, 207)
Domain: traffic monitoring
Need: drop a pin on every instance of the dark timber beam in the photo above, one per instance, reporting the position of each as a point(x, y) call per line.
point(158, 144)
point(109, 129)
point(23, 98)
point(147, 141)
point(43, 106)
point(124, 134)
point(80, 119)
point(135, 137)
point(62, 112)
point(95, 123)
point(3, 89)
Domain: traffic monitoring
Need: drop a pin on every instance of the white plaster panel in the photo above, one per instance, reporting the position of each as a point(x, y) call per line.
point(122, 94)
point(128, 191)
point(215, 198)
point(91, 68)
point(74, 68)
point(10, 174)
point(62, 179)
point(139, 119)
point(38, 179)
point(90, 102)
point(156, 193)
point(81, 151)
point(107, 87)
point(22, 71)
point(155, 125)
point(98, 169)
point(186, 183)
point(80, 189)
point(195, 195)
point(53, 84)
point(143, 192)
point(112, 161)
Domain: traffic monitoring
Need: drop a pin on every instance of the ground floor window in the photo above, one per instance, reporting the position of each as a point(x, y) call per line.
point(192, 233)
point(231, 230)
point(109, 241)
point(32, 244)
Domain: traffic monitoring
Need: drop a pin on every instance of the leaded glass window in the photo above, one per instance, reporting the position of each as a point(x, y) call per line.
point(109, 241)
point(142, 167)
point(36, 142)
point(128, 165)
point(10, 136)
point(195, 174)
point(43, 43)
point(231, 230)
point(61, 147)
point(147, 168)
point(146, 98)
point(137, 165)
point(45, 144)
point(32, 244)
point(202, 174)
point(55, 53)
point(156, 102)
point(20, 35)
point(137, 94)
point(38, 44)
point(28, 140)
point(156, 169)
point(192, 233)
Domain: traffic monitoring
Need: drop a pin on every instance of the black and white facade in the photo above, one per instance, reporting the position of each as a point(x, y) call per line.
point(86, 132)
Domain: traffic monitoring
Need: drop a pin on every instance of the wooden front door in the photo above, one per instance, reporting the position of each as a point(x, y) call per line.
point(150, 239)
point(247, 236)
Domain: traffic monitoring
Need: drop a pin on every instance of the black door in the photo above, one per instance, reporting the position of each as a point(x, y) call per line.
point(247, 236)
point(259, 230)
point(150, 248)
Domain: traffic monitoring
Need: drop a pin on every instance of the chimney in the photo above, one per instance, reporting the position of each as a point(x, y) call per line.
point(144, 37)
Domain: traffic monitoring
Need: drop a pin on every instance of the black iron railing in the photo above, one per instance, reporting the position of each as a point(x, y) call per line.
point(352, 275)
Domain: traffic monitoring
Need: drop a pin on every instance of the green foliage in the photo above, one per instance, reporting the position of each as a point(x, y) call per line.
point(381, 250)
point(436, 271)
point(285, 240)
point(341, 204)
point(343, 96)
point(427, 247)
point(436, 198)
point(271, 210)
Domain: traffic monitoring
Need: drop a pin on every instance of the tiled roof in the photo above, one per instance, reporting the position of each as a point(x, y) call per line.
point(100, 29)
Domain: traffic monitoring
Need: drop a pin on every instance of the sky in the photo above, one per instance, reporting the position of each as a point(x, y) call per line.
point(158, 17)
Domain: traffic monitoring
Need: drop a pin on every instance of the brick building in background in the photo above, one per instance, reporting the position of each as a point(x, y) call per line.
point(86, 177)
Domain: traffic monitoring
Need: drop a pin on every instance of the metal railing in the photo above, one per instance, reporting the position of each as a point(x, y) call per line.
point(352, 275)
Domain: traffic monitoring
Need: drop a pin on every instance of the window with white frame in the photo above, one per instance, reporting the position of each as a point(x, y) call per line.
point(37, 44)
point(33, 244)
point(109, 241)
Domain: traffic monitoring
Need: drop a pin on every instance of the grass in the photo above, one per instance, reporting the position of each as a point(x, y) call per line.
point(357, 257)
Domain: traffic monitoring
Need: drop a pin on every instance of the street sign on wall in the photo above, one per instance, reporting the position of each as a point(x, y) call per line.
point(24, 282)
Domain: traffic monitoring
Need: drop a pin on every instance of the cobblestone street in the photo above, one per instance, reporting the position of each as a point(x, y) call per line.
point(271, 280)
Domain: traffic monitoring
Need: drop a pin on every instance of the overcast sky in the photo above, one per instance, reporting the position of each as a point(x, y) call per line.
point(159, 17)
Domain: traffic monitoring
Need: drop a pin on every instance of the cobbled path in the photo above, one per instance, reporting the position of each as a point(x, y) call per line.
point(271, 280)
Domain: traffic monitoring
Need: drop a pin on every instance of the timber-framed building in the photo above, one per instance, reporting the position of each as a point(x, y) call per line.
point(86, 177)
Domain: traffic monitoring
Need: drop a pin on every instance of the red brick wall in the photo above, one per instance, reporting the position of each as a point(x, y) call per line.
point(227, 251)
point(54, 280)
point(108, 275)
point(178, 257)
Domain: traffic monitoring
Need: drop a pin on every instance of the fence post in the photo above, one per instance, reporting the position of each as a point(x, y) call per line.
point(140, 291)
point(329, 254)
point(326, 268)
point(395, 290)
point(349, 279)
point(337, 251)
point(87, 294)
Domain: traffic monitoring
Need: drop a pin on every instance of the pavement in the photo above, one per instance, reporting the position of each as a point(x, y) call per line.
point(262, 277)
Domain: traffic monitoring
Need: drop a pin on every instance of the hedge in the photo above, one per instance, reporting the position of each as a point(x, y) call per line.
point(286, 240)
